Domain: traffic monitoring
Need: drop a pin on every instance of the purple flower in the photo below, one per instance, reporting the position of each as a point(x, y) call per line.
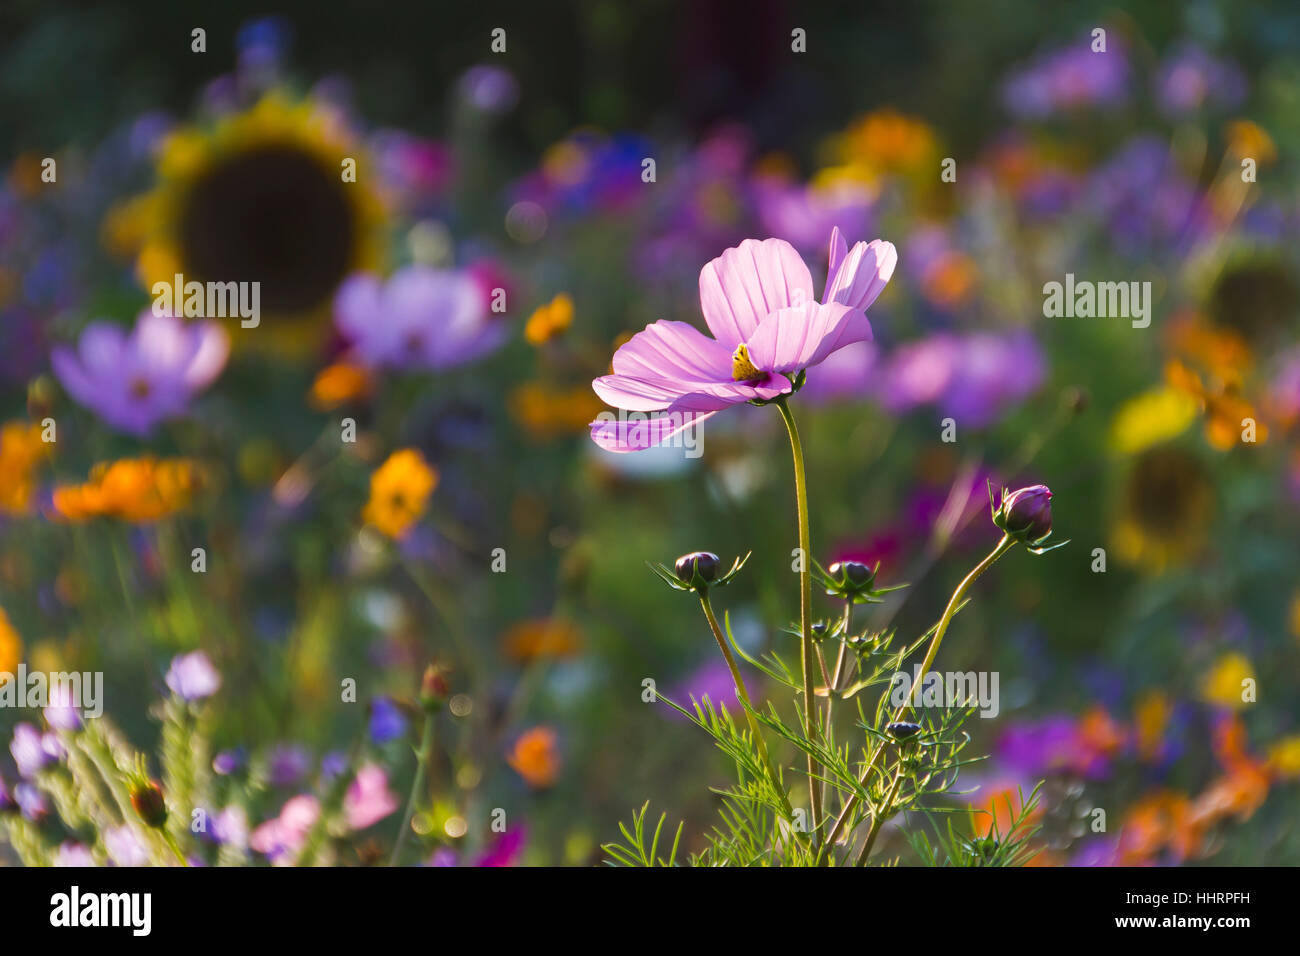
point(192, 677)
point(73, 855)
point(33, 751)
point(31, 801)
point(287, 764)
point(228, 761)
point(386, 721)
point(124, 847)
point(134, 381)
point(972, 378)
point(62, 712)
point(419, 318)
point(230, 827)
point(1068, 79)
point(368, 799)
point(757, 300)
point(804, 214)
point(1192, 79)
point(489, 88)
point(443, 856)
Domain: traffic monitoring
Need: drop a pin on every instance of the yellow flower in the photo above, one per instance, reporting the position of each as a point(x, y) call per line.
point(11, 646)
point(262, 195)
point(536, 757)
point(21, 449)
point(889, 140)
point(549, 321)
point(1168, 502)
point(1150, 718)
point(1295, 615)
point(399, 492)
point(1284, 757)
point(1247, 139)
point(1148, 419)
point(1223, 684)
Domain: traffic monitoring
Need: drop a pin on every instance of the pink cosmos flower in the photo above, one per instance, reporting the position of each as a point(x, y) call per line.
point(368, 799)
point(280, 838)
point(757, 300)
point(134, 381)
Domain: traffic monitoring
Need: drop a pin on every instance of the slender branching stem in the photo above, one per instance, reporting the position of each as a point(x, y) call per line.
point(886, 811)
point(954, 602)
point(805, 609)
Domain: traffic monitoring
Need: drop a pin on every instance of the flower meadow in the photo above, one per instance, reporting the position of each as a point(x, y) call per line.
point(842, 453)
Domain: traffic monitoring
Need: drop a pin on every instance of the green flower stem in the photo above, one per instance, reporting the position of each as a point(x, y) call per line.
point(837, 675)
point(171, 845)
point(422, 758)
point(884, 814)
point(805, 608)
point(1003, 546)
point(743, 692)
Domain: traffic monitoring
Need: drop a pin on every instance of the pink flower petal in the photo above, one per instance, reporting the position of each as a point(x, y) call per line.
point(862, 274)
point(675, 351)
point(746, 284)
point(794, 339)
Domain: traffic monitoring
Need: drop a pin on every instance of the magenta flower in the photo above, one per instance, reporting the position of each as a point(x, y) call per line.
point(280, 838)
point(134, 381)
point(757, 300)
point(419, 318)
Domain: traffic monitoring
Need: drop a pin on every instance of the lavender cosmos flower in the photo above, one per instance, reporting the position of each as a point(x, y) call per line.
point(134, 381)
point(62, 712)
point(31, 802)
point(1191, 79)
point(419, 318)
point(757, 300)
point(1068, 79)
point(71, 854)
point(192, 677)
point(33, 751)
point(124, 847)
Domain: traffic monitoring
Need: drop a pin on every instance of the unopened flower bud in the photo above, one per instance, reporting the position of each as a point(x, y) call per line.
point(434, 689)
point(1027, 513)
point(147, 798)
point(698, 567)
point(903, 729)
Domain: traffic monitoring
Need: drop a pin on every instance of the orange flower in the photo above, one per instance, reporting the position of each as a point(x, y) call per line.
point(1001, 807)
point(138, 490)
point(536, 757)
point(339, 384)
point(1151, 717)
point(21, 449)
point(549, 321)
point(545, 637)
point(399, 492)
point(11, 646)
point(548, 411)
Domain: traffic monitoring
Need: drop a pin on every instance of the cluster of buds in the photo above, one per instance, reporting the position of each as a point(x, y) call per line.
point(852, 581)
point(698, 571)
point(1026, 516)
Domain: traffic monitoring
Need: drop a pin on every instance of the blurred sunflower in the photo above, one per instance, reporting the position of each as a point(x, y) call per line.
point(259, 196)
point(1166, 508)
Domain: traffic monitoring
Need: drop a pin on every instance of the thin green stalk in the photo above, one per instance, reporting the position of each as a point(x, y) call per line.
point(837, 675)
point(881, 817)
point(743, 692)
point(421, 770)
point(805, 608)
point(954, 602)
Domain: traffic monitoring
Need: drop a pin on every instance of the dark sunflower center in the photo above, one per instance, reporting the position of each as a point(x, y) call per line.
point(272, 215)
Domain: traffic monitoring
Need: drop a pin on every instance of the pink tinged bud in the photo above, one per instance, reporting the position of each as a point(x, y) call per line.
point(147, 799)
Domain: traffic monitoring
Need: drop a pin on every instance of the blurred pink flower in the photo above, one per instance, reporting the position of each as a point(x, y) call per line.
point(368, 799)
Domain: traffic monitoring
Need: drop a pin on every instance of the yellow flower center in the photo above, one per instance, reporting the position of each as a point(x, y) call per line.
point(742, 368)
